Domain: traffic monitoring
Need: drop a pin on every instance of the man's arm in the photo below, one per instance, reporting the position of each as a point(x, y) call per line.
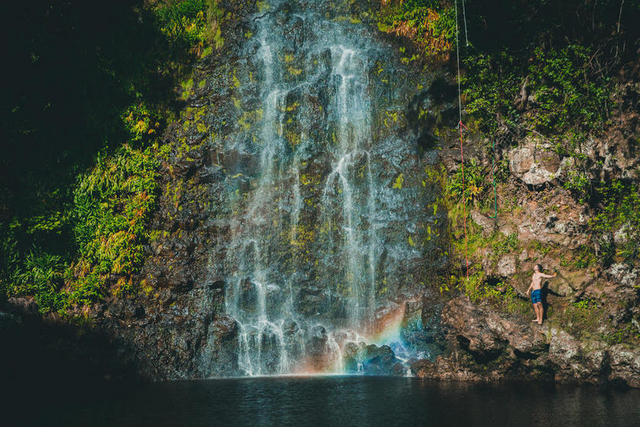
point(548, 276)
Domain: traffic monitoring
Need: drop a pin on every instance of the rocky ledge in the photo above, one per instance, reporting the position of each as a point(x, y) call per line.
point(486, 345)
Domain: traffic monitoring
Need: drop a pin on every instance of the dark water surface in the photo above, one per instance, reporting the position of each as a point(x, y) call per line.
point(335, 401)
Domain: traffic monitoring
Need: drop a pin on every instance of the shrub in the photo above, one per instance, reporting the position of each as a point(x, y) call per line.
point(42, 277)
point(112, 204)
point(617, 209)
point(193, 23)
point(579, 184)
point(582, 318)
point(473, 180)
point(87, 230)
point(566, 94)
point(430, 26)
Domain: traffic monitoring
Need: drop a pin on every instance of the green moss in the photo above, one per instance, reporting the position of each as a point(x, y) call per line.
point(293, 138)
point(582, 318)
point(397, 184)
point(294, 71)
point(262, 5)
point(236, 82)
point(206, 51)
point(390, 117)
point(471, 186)
point(187, 87)
point(249, 118)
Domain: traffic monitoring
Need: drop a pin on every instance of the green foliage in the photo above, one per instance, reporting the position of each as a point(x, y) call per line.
point(585, 257)
point(468, 186)
point(579, 183)
point(500, 295)
point(582, 318)
point(589, 319)
point(568, 94)
point(41, 276)
point(71, 225)
point(565, 94)
point(429, 25)
point(501, 171)
point(533, 68)
point(504, 245)
point(193, 23)
point(112, 204)
point(141, 122)
point(473, 287)
point(626, 333)
point(491, 83)
point(619, 211)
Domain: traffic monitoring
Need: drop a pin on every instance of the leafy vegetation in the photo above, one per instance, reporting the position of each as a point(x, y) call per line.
point(556, 94)
point(547, 69)
point(469, 186)
point(619, 212)
point(500, 295)
point(42, 276)
point(112, 204)
point(531, 67)
point(587, 319)
point(429, 26)
point(80, 153)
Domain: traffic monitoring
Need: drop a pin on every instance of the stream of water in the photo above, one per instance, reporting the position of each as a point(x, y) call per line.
point(321, 240)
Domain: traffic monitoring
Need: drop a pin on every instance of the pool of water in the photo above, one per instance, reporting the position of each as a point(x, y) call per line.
point(332, 401)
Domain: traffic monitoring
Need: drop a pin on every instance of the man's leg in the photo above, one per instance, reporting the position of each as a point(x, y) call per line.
point(535, 311)
point(539, 312)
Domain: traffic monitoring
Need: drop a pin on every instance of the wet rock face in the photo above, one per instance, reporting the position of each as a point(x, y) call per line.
point(372, 360)
point(219, 356)
point(294, 202)
point(323, 188)
point(379, 360)
point(167, 341)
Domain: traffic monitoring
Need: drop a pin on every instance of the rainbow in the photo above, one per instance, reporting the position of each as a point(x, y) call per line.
point(386, 329)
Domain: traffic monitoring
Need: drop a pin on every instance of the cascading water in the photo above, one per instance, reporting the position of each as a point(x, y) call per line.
point(322, 234)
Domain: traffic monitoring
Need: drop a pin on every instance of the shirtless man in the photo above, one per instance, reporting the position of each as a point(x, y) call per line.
point(536, 291)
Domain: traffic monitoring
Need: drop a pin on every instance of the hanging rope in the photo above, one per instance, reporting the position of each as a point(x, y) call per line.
point(455, 2)
point(464, 201)
point(464, 17)
point(460, 126)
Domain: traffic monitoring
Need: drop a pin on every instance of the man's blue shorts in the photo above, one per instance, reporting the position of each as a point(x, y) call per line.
point(536, 296)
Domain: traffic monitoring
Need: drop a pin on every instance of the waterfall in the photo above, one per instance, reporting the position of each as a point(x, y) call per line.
point(318, 238)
